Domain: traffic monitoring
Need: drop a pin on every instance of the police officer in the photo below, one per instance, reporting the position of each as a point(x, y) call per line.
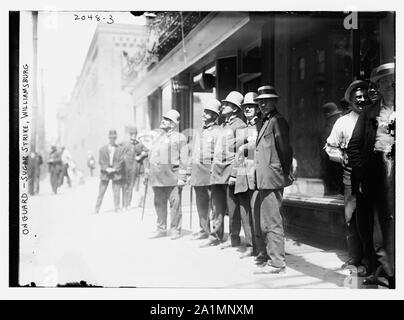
point(273, 160)
point(202, 156)
point(222, 193)
point(55, 167)
point(167, 174)
point(245, 181)
point(134, 153)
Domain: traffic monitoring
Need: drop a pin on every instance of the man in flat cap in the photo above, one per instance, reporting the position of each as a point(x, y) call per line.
point(202, 155)
point(134, 153)
point(111, 164)
point(273, 161)
point(336, 146)
point(371, 154)
point(223, 196)
point(167, 174)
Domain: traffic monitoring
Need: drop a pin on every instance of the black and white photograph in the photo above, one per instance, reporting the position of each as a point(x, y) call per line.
point(208, 149)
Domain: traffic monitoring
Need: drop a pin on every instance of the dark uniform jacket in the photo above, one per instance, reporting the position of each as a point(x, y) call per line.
point(168, 159)
point(225, 151)
point(130, 152)
point(244, 165)
point(273, 157)
point(202, 155)
point(117, 163)
point(55, 162)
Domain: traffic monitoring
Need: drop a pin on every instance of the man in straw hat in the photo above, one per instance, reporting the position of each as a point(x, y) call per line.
point(202, 155)
point(372, 157)
point(337, 142)
point(222, 193)
point(273, 160)
point(167, 174)
point(245, 182)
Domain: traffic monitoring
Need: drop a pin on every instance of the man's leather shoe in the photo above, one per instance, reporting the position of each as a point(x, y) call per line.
point(247, 253)
point(373, 280)
point(175, 236)
point(261, 258)
point(200, 236)
point(210, 243)
point(351, 262)
point(226, 245)
point(270, 270)
point(158, 235)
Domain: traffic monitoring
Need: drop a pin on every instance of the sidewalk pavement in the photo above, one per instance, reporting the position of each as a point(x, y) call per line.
point(68, 243)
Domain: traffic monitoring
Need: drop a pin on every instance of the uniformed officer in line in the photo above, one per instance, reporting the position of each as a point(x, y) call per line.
point(134, 152)
point(273, 161)
point(245, 181)
point(167, 174)
point(223, 196)
point(202, 155)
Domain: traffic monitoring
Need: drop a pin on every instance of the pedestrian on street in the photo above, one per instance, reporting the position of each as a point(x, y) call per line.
point(336, 146)
point(55, 168)
point(223, 196)
point(66, 161)
point(111, 163)
point(91, 163)
point(244, 178)
point(371, 154)
point(202, 155)
point(273, 161)
point(34, 172)
point(167, 174)
point(134, 153)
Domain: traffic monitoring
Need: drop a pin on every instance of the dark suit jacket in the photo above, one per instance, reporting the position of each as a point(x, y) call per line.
point(117, 163)
point(361, 144)
point(273, 158)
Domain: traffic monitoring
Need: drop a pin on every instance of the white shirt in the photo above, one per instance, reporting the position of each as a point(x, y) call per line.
point(340, 135)
point(384, 140)
point(111, 150)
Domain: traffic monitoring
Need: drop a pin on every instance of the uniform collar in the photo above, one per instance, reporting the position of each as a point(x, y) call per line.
point(252, 122)
point(230, 120)
point(209, 125)
point(270, 115)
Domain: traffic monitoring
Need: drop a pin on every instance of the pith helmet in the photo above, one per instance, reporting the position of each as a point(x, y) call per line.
point(173, 115)
point(235, 98)
point(213, 105)
point(266, 92)
point(249, 98)
point(355, 85)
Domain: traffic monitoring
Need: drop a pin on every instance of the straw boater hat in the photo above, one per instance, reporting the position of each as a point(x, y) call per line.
point(382, 71)
point(235, 98)
point(173, 115)
point(249, 98)
point(266, 92)
point(355, 85)
point(213, 105)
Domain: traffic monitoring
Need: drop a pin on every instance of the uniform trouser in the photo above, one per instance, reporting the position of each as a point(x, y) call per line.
point(203, 204)
point(36, 184)
point(353, 238)
point(246, 212)
point(272, 226)
point(222, 196)
point(116, 189)
point(171, 194)
point(128, 189)
point(380, 196)
point(31, 184)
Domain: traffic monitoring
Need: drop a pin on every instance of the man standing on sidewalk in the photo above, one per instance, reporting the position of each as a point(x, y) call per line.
point(55, 168)
point(111, 166)
point(202, 155)
point(336, 146)
point(133, 152)
point(167, 174)
point(224, 155)
point(245, 181)
point(273, 160)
